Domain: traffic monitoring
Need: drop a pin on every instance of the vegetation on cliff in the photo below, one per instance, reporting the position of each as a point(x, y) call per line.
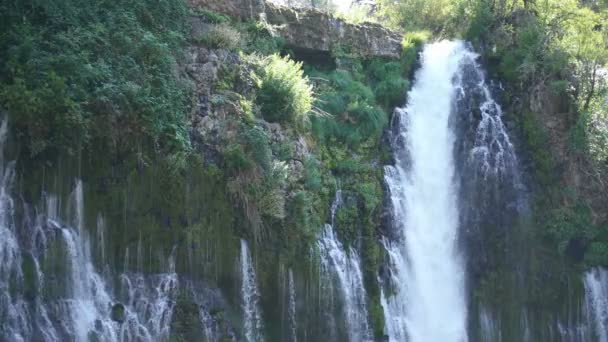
point(78, 73)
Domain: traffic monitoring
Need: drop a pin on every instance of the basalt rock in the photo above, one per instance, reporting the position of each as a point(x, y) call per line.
point(310, 29)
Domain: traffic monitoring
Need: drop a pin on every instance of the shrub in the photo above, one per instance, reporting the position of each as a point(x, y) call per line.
point(410, 46)
point(221, 36)
point(389, 82)
point(312, 175)
point(355, 116)
point(259, 39)
point(285, 94)
point(213, 17)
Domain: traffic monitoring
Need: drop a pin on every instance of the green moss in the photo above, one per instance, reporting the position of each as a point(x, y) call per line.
point(537, 140)
point(185, 322)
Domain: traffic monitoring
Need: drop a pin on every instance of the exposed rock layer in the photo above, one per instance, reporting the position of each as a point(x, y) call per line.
point(312, 29)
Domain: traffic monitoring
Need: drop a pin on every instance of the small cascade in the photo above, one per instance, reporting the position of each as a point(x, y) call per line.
point(345, 267)
point(144, 311)
point(291, 308)
point(253, 329)
point(596, 303)
point(489, 327)
point(149, 304)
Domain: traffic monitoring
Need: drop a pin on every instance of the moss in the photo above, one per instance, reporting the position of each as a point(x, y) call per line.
point(185, 322)
point(30, 277)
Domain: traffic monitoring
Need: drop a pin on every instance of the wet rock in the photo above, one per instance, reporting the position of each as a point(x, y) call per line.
point(119, 313)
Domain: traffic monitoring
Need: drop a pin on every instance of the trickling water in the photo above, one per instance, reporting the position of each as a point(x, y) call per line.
point(345, 266)
point(427, 272)
point(293, 322)
point(252, 315)
point(596, 292)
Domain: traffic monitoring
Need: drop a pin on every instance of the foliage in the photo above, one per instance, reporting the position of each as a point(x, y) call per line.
point(221, 36)
point(259, 38)
point(412, 44)
point(387, 82)
point(213, 17)
point(285, 94)
point(256, 180)
point(74, 72)
point(357, 14)
point(312, 174)
point(185, 322)
point(561, 46)
point(353, 115)
point(414, 15)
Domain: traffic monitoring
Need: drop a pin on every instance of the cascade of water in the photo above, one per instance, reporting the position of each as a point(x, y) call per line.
point(16, 325)
point(346, 267)
point(293, 323)
point(147, 312)
point(426, 270)
point(489, 326)
point(596, 304)
point(252, 315)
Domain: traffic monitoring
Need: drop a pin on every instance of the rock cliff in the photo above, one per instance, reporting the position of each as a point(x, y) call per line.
point(312, 29)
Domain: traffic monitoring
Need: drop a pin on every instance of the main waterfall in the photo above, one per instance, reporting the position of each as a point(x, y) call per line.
point(438, 164)
point(427, 268)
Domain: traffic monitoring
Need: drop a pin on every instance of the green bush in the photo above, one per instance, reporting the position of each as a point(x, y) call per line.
point(389, 84)
point(221, 36)
point(259, 39)
point(212, 17)
point(354, 115)
point(410, 46)
point(285, 94)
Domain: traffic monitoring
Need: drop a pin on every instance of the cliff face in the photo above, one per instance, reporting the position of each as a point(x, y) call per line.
point(312, 29)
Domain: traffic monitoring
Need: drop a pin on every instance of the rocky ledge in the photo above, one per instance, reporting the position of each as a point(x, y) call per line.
point(312, 29)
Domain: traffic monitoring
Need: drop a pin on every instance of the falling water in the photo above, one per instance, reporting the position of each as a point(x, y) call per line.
point(427, 271)
point(345, 266)
point(293, 322)
point(73, 302)
point(252, 315)
point(596, 292)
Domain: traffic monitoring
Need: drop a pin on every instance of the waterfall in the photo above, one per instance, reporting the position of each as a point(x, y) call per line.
point(293, 322)
point(345, 266)
point(72, 302)
point(596, 303)
point(252, 316)
point(143, 313)
point(426, 268)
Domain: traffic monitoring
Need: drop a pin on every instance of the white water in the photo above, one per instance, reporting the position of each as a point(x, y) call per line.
point(78, 306)
point(426, 268)
point(346, 267)
point(148, 305)
point(596, 292)
point(253, 328)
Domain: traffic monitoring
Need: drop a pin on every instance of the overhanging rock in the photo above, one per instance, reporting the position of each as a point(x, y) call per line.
point(312, 29)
